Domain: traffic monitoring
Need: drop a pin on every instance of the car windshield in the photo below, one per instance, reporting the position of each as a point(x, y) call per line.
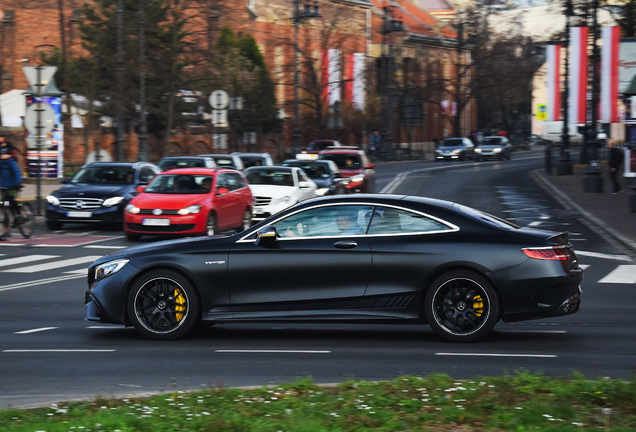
point(344, 161)
point(181, 163)
point(249, 161)
point(451, 143)
point(180, 184)
point(314, 170)
point(492, 141)
point(105, 175)
point(270, 177)
point(319, 145)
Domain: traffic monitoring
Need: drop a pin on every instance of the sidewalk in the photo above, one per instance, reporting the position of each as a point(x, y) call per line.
point(605, 213)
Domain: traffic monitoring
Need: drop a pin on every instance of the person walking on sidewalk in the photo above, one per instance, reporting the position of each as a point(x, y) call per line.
point(10, 180)
point(615, 162)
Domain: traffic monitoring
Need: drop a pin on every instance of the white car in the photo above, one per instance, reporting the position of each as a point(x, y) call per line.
point(275, 188)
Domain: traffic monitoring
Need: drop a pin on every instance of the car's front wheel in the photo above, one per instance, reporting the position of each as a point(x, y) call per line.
point(461, 306)
point(247, 220)
point(163, 305)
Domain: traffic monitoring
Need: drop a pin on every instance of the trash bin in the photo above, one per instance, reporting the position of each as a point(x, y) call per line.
point(593, 180)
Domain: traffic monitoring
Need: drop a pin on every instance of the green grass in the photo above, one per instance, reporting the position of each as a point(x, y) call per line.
point(520, 402)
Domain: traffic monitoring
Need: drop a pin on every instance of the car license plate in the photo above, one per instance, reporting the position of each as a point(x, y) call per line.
point(156, 222)
point(79, 214)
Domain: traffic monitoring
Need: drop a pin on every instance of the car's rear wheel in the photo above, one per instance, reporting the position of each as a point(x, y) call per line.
point(461, 306)
point(163, 305)
point(210, 227)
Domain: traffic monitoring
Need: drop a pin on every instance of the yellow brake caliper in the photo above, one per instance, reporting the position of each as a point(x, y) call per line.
point(478, 305)
point(180, 301)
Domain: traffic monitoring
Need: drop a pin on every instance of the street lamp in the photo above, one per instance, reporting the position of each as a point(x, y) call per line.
point(565, 166)
point(390, 24)
point(309, 10)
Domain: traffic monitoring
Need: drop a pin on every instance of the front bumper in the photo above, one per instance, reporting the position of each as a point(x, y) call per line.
point(103, 214)
point(188, 224)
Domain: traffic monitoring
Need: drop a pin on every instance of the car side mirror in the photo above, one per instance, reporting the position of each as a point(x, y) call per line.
point(267, 234)
point(369, 166)
point(222, 191)
point(65, 180)
point(303, 185)
point(140, 189)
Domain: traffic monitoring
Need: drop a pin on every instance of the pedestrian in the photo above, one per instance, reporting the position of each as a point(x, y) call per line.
point(616, 157)
point(10, 181)
point(375, 141)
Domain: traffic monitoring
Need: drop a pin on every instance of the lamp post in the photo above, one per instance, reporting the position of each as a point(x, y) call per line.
point(390, 24)
point(564, 166)
point(143, 124)
point(309, 10)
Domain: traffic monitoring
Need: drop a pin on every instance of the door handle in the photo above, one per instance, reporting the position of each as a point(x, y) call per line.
point(345, 244)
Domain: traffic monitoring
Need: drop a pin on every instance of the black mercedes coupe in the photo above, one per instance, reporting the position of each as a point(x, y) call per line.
point(366, 258)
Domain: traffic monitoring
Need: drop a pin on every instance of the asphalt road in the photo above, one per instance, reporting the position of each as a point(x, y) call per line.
point(48, 353)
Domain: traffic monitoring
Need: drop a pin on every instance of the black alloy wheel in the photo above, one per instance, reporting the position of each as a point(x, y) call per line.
point(163, 305)
point(461, 306)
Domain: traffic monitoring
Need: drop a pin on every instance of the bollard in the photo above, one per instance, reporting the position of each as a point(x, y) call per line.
point(593, 180)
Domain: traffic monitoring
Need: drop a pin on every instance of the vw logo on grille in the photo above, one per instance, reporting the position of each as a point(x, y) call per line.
point(79, 204)
point(157, 212)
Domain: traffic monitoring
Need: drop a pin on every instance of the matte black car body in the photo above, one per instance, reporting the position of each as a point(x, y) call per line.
point(87, 201)
point(325, 173)
point(450, 266)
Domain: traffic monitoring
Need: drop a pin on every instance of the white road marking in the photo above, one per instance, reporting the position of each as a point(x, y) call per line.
point(25, 259)
point(104, 247)
point(36, 330)
point(39, 282)
point(53, 265)
point(623, 274)
point(604, 256)
point(273, 351)
point(496, 355)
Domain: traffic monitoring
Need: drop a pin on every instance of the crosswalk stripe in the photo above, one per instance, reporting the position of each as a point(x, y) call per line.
point(624, 274)
point(53, 265)
point(25, 259)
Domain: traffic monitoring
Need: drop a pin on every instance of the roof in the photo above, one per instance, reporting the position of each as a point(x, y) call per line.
point(416, 19)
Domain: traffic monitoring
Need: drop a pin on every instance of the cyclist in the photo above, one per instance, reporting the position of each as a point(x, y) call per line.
point(10, 182)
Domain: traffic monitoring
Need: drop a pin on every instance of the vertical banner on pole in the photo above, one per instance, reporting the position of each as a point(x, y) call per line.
point(609, 74)
point(578, 75)
point(554, 83)
point(334, 76)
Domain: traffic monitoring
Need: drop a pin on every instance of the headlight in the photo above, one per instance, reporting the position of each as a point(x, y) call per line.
point(477, 150)
point(132, 209)
point(357, 178)
point(53, 200)
point(109, 268)
point(281, 200)
point(322, 191)
point(193, 209)
point(112, 201)
point(457, 151)
point(497, 150)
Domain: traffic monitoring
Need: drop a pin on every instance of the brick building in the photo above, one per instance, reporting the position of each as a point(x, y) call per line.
point(424, 53)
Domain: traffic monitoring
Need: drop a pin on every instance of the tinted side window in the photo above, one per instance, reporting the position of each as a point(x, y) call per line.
point(329, 221)
point(395, 221)
point(234, 182)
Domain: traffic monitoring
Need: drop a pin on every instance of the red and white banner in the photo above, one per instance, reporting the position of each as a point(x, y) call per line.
point(578, 75)
point(554, 82)
point(354, 80)
point(609, 74)
point(324, 69)
point(334, 76)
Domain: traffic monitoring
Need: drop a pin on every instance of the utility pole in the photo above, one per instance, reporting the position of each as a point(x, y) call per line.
point(120, 80)
point(565, 166)
point(143, 125)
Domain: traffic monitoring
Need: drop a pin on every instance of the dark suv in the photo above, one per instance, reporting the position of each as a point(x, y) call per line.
point(98, 192)
point(355, 166)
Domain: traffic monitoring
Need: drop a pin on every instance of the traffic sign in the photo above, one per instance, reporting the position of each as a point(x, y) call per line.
point(219, 99)
point(219, 117)
point(542, 112)
point(46, 74)
point(46, 117)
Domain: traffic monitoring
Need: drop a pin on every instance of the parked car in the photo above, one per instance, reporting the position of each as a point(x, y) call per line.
point(355, 166)
point(494, 147)
point(98, 192)
point(455, 149)
point(416, 260)
point(190, 201)
point(275, 188)
point(231, 161)
point(324, 173)
point(170, 162)
point(315, 147)
point(255, 159)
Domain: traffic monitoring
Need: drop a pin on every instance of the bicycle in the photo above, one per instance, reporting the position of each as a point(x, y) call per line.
point(16, 214)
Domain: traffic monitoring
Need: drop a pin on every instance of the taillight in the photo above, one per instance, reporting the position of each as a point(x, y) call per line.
point(556, 253)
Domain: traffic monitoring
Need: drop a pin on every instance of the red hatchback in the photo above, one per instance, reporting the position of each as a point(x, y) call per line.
point(190, 201)
point(355, 166)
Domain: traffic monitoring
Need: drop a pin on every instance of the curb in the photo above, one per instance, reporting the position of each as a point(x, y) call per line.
point(594, 223)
